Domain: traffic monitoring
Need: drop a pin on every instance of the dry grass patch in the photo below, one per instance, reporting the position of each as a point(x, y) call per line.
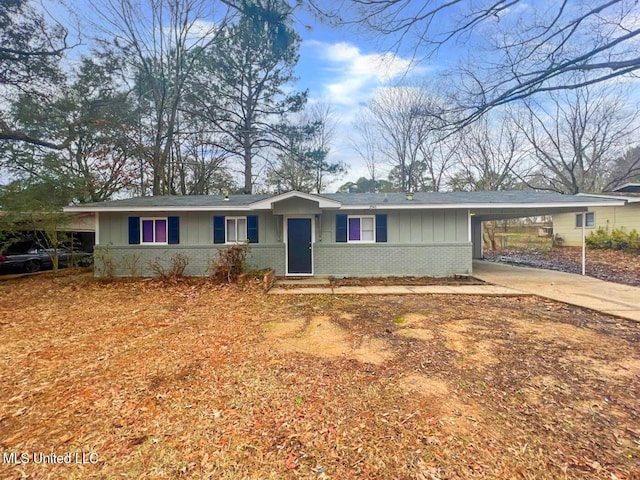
point(321, 337)
point(462, 338)
point(193, 380)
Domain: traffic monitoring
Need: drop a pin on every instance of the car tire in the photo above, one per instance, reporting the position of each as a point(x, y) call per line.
point(32, 266)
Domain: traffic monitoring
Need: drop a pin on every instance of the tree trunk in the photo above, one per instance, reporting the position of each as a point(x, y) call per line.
point(248, 179)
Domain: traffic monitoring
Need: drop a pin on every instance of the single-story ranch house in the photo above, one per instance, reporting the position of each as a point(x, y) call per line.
point(568, 226)
point(341, 234)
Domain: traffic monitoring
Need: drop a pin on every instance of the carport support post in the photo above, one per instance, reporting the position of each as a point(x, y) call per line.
point(584, 249)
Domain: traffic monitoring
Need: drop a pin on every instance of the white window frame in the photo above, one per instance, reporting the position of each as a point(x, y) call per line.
point(583, 217)
point(373, 217)
point(155, 219)
point(226, 231)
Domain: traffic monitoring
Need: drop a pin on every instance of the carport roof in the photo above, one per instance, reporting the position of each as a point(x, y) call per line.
point(529, 202)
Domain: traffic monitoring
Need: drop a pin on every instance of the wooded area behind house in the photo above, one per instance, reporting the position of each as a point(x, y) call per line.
point(189, 97)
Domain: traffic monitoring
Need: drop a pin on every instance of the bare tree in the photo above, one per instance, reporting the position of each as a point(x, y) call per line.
point(532, 47)
point(301, 162)
point(625, 168)
point(199, 166)
point(395, 113)
point(404, 126)
point(438, 152)
point(574, 136)
point(322, 117)
point(491, 156)
point(366, 146)
point(159, 41)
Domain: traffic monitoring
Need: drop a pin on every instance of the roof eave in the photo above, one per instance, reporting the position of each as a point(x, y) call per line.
point(374, 206)
point(612, 197)
point(471, 206)
point(156, 208)
point(628, 184)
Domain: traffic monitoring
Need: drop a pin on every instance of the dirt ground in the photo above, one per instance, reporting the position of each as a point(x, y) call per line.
point(194, 380)
point(610, 265)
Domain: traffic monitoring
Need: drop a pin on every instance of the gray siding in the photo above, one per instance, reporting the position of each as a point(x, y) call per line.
point(403, 227)
point(434, 260)
point(196, 228)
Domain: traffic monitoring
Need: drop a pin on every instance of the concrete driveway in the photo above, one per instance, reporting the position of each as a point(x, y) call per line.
point(607, 297)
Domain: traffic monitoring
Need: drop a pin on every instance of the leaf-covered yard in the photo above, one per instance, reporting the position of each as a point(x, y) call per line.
point(195, 380)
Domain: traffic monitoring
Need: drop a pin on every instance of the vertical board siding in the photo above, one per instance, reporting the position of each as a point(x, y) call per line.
point(415, 227)
point(438, 226)
point(403, 227)
point(427, 227)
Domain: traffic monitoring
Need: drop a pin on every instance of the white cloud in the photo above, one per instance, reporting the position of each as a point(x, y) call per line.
point(382, 67)
point(343, 76)
point(352, 75)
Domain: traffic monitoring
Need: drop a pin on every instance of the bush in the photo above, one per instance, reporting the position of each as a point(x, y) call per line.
point(618, 239)
point(634, 240)
point(599, 239)
point(231, 263)
point(104, 265)
point(175, 270)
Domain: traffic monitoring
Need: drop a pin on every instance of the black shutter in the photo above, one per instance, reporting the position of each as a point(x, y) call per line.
point(381, 228)
point(134, 230)
point(218, 230)
point(252, 228)
point(173, 230)
point(341, 228)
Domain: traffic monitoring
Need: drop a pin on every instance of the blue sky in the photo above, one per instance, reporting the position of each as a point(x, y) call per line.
point(342, 68)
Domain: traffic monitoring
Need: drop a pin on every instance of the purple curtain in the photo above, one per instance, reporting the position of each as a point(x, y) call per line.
point(161, 231)
point(147, 231)
point(354, 229)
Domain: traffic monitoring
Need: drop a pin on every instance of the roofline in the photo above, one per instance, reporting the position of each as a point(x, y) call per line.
point(628, 184)
point(610, 202)
point(613, 197)
point(471, 206)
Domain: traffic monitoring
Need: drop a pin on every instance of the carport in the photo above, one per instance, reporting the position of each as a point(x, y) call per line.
point(526, 205)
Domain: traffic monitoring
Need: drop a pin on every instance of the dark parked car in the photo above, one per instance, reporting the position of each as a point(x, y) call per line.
point(36, 259)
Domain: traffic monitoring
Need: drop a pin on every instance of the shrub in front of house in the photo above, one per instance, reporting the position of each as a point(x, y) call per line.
point(231, 262)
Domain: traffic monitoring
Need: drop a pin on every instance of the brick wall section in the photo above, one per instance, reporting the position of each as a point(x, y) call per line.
point(433, 260)
point(268, 280)
point(127, 261)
